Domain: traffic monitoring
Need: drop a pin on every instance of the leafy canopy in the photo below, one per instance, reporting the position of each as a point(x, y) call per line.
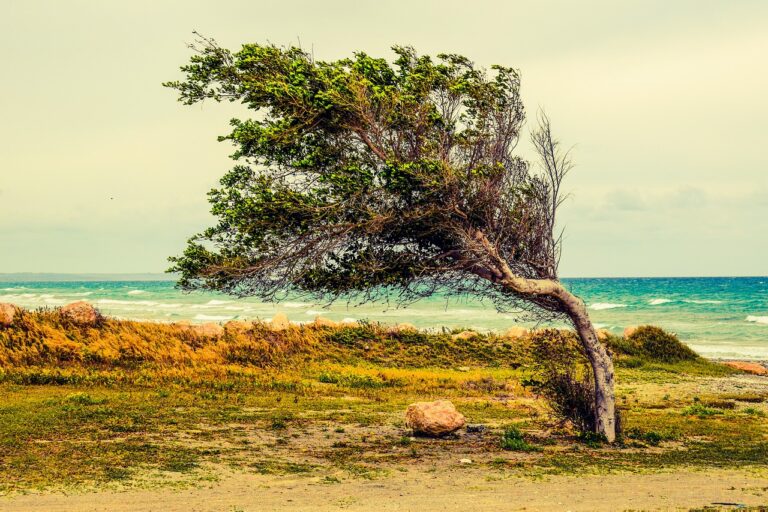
point(362, 176)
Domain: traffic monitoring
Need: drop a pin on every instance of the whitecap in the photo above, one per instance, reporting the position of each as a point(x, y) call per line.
point(696, 301)
point(349, 320)
point(657, 302)
point(215, 302)
point(606, 305)
point(294, 304)
point(127, 302)
point(214, 318)
point(758, 319)
point(312, 312)
point(16, 289)
point(136, 292)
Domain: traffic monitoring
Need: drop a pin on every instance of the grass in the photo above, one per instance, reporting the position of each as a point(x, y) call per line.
point(134, 404)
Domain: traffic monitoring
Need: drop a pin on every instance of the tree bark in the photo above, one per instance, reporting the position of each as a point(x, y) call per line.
point(602, 366)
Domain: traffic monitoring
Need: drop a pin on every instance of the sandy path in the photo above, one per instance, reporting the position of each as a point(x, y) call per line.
point(422, 492)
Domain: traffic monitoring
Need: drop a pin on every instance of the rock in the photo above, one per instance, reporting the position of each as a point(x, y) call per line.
point(7, 313)
point(603, 334)
point(465, 461)
point(405, 327)
point(209, 329)
point(325, 322)
point(465, 335)
point(279, 322)
point(516, 332)
point(476, 428)
point(237, 326)
point(749, 367)
point(434, 418)
point(629, 331)
point(80, 313)
point(463, 368)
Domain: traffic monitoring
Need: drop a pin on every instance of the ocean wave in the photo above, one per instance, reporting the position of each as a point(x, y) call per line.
point(126, 302)
point(14, 289)
point(657, 302)
point(294, 304)
point(80, 294)
point(349, 320)
point(213, 318)
point(597, 306)
point(312, 312)
point(702, 301)
point(758, 319)
point(216, 302)
point(136, 292)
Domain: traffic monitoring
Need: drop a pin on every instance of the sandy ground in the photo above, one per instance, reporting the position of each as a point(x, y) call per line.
point(464, 490)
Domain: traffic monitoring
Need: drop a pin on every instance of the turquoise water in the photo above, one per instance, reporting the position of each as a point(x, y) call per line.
point(718, 317)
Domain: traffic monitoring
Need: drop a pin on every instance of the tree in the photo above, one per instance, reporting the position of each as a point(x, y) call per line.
point(364, 178)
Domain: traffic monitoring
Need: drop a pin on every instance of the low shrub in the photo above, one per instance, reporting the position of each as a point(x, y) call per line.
point(512, 440)
point(656, 344)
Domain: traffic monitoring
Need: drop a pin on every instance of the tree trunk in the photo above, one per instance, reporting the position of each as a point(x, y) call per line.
point(602, 366)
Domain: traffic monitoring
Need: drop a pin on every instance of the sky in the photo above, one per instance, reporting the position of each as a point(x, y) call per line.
point(663, 103)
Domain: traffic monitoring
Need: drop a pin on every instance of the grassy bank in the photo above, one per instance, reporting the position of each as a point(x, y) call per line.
point(130, 403)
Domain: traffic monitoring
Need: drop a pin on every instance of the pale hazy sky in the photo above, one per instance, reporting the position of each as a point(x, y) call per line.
point(666, 103)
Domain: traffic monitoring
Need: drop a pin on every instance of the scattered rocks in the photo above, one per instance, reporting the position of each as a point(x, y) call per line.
point(279, 322)
point(465, 335)
point(629, 331)
point(476, 428)
point(516, 332)
point(749, 367)
point(434, 419)
point(81, 313)
point(7, 313)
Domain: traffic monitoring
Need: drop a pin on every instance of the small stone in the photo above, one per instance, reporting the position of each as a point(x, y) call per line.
point(476, 428)
point(465, 461)
point(463, 368)
point(629, 331)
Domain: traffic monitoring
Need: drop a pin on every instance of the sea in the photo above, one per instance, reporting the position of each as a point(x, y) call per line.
point(719, 317)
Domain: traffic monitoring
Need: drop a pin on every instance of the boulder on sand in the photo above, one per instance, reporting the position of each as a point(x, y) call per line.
point(629, 331)
point(81, 313)
point(7, 313)
point(434, 419)
point(603, 334)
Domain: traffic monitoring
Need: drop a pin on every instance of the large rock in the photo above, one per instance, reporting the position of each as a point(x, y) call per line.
point(7, 313)
point(434, 418)
point(81, 313)
point(749, 367)
point(629, 331)
point(603, 334)
point(279, 322)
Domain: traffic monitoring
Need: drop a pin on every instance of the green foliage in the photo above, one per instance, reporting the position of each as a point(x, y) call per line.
point(656, 345)
point(512, 440)
point(562, 375)
point(700, 410)
point(361, 176)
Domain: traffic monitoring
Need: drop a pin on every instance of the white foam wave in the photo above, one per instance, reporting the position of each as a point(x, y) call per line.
point(136, 292)
point(213, 318)
point(215, 302)
point(14, 289)
point(349, 320)
point(657, 302)
point(127, 302)
point(606, 305)
point(80, 294)
point(294, 304)
point(758, 319)
point(697, 301)
point(312, 312)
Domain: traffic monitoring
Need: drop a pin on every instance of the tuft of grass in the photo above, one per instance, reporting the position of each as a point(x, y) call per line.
point(512, 440)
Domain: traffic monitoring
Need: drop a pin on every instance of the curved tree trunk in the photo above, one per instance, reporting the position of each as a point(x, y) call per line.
point(602, 366)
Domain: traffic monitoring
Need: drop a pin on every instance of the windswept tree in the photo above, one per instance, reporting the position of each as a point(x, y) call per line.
point(368, 179)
